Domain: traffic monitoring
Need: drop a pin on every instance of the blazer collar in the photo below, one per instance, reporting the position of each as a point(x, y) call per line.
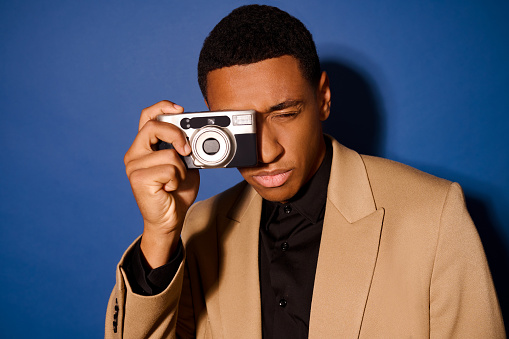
point(349, 189)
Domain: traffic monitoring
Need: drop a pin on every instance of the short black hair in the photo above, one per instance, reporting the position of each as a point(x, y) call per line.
point(254, 33)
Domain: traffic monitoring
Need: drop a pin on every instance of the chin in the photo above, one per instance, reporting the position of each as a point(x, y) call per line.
point(277, 194)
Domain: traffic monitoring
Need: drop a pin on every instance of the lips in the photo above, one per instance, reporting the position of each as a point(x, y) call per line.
point(272, 179)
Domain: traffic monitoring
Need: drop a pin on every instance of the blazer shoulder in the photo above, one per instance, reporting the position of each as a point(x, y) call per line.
point(392, 172)
point(402, 186)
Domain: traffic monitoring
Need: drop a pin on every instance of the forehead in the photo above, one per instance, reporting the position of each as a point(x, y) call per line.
point(257, 86)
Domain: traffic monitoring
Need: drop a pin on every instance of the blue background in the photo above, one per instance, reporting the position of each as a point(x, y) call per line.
point(421, 82)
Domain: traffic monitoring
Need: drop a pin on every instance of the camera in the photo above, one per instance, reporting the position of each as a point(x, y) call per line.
point(218, 139)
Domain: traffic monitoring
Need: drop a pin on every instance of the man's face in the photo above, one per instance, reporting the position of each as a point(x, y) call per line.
point(289, 114)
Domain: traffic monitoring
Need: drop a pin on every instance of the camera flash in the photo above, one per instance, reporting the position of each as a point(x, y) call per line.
point(244, 119)
point(211, 121)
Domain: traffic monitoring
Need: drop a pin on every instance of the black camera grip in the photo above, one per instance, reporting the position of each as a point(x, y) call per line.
point(188, 161)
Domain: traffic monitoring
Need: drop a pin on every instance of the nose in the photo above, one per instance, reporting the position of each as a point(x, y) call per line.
point(269, 149)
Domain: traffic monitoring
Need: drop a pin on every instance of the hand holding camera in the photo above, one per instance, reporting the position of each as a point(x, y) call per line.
point(162, 161)
point(163, 187)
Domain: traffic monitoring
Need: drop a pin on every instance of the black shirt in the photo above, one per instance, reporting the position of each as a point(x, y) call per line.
point(288, 252)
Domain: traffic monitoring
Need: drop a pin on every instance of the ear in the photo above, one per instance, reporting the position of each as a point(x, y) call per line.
point(323, 96)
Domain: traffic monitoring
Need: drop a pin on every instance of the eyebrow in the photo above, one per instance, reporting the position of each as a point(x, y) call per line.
point(285, 104)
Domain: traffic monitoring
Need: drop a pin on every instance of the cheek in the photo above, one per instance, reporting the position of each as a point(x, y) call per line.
point(302, 136)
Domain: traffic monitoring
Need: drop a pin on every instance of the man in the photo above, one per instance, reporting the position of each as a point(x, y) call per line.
point(318, 241)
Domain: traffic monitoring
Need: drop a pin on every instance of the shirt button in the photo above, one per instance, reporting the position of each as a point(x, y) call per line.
point(285, 246)
point(288, 209)
point(282, 303)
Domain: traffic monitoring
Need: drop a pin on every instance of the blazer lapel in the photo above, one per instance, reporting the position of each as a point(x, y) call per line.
point(348, 249)
point(239, 287)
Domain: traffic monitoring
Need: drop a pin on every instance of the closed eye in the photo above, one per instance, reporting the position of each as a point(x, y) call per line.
point(285, 114)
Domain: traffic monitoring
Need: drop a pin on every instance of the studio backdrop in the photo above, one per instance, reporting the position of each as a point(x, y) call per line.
point(420, 82)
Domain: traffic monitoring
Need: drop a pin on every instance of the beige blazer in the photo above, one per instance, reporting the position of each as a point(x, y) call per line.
point(399, 258)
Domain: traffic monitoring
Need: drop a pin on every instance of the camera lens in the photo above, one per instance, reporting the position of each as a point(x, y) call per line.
point(211, 146)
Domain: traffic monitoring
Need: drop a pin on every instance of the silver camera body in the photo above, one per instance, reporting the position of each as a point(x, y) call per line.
point(218, 138)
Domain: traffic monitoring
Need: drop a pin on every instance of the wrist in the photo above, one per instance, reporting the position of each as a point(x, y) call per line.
point(158, 248)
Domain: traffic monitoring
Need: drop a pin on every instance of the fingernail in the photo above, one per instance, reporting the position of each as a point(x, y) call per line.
point(177, 106)
point(187, 148)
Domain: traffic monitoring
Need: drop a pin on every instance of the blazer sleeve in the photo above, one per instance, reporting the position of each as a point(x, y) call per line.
point(130, 315)
point(463, 301)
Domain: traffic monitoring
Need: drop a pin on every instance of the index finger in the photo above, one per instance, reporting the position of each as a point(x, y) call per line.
point(153, 132)
point(162, 107)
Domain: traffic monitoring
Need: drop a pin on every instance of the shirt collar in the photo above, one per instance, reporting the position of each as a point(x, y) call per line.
point(310, 199)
